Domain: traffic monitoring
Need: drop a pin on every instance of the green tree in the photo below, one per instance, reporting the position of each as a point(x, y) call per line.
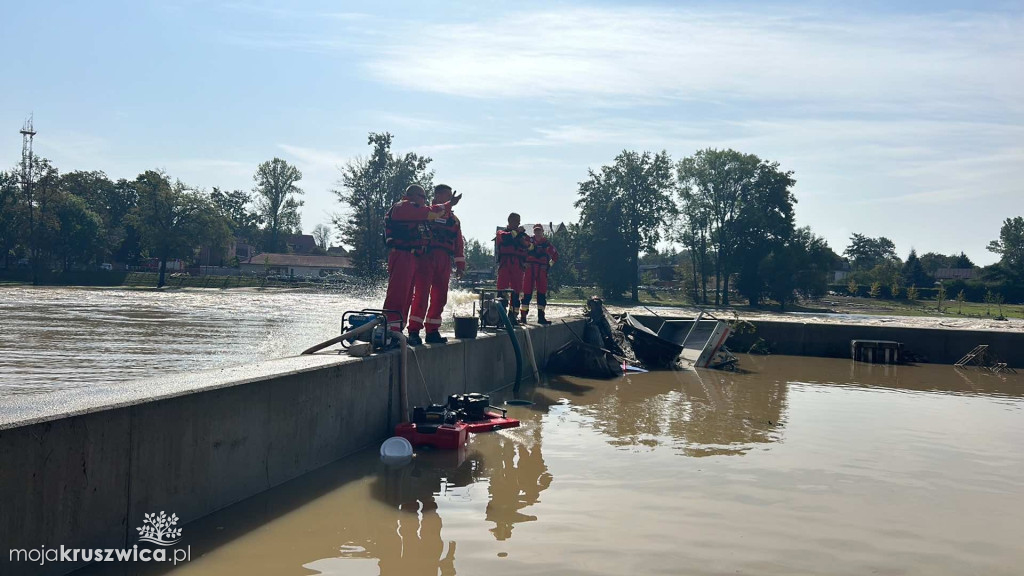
point(79, 232)
point(912, 293)
point(479, 256)
point(960, 298)
point(748, 204)
point(276, 199)
point(368, 188)
point(851, 287)
point(1010, 247)
point(234, 207)
point(876, 289)
point(625, 206)
point(866, 253)
point(11, 215)
point(895, 288)
point(571, 250)
point(174, 219)
point(940, 297)
point(913, 272)
point(799, 265)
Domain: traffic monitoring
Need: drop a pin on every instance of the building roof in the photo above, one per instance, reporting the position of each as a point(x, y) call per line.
point(305, 260)
point(954, 273)
point(301, 243)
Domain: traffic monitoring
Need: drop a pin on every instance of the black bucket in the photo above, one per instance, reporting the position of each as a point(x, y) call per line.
point(466, 326)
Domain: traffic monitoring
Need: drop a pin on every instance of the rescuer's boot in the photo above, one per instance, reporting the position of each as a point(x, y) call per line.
point(436, 338)
point(541, 319)
point(414, 338)
point(522, 316)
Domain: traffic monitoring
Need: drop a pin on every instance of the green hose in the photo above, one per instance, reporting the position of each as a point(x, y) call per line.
point(515, 346)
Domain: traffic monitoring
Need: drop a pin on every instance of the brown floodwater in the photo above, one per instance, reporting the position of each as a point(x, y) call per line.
point(65, 337)
point(798, 466)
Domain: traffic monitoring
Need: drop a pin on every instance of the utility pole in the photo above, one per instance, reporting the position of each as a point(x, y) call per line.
point(27, 134)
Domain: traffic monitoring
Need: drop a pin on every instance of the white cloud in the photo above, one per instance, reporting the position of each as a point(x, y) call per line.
point(642, 54)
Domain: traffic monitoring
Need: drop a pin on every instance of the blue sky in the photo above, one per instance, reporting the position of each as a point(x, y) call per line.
point(901, 120)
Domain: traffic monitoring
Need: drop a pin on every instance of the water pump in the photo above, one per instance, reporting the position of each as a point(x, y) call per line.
point(380, 338)
point(490, 304)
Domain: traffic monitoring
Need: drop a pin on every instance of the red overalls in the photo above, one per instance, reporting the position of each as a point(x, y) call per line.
point(433, 271)
point(406, 233)
point(539, 257)
point(512, 245)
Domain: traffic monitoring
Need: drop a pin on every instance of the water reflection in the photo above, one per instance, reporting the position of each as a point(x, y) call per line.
point(516, 478)
point(703, 413)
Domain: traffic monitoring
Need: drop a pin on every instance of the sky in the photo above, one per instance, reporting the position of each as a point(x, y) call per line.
point(903, 120)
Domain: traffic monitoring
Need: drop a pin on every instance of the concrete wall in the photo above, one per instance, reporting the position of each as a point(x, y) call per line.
point(940, 346)
point(80, 470)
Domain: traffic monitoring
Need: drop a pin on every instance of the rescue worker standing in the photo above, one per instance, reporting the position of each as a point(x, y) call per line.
point(512, 247)
point(539, 257)
point(433, 272)
point(406, 234)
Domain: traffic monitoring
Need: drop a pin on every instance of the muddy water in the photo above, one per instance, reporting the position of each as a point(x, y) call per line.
point(801, 466)
point(66, 337)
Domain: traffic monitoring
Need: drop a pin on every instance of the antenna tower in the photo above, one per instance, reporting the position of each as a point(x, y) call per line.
point(27, 133)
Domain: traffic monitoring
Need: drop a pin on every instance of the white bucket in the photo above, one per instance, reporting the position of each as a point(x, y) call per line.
point(396, 448)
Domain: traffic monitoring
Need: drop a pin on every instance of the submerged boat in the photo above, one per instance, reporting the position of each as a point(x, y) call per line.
point(661, 341)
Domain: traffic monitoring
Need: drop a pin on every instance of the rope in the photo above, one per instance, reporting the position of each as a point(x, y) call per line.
point(423, 379)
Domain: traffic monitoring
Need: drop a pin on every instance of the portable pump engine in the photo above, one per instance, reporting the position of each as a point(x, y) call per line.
point(472, 406)
point(380, 338)
point(489, 309)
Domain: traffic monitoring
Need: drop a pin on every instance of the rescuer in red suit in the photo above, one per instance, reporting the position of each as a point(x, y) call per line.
point(539, 257)
point(512, 245)
point(407, 234)
point(433, 272)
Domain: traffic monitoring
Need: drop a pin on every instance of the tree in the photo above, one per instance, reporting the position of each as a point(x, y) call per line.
point(275, 199)
point(174, 219)
point(851, 287)
point(234, 207)
point(866, 253)
point(368, 188)
point(931, 262)
point(479, 256)
point(876, 289)
point(11, 214)
point(625, 205)
point(79, 232)
point(571, 250)
point(913, 272)
point(322, 234)
point(895, 287)
point(747, 206)
point(960, 298)
point(940, 297)
point(799, 265)
point(1010, 247)
point(912, 293)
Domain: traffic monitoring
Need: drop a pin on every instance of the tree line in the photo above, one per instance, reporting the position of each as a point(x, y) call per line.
point(730, 214)
point(79, 219)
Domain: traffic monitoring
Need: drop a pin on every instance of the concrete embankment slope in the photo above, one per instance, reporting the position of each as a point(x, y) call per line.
point(937, 345)
point(80, 468)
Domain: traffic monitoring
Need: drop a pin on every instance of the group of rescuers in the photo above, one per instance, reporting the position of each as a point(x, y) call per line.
point(424, 240)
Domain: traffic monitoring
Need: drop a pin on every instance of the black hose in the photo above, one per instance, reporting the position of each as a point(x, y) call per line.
point(515, 345)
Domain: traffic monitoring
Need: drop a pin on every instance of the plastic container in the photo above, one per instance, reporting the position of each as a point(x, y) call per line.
point(396, 447)
point(466, 326)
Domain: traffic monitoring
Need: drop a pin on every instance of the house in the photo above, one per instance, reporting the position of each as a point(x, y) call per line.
point(295, 265)
point(955, 273)
point(660, 274)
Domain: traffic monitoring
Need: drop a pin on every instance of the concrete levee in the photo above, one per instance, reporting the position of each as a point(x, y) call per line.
point(82, 468)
